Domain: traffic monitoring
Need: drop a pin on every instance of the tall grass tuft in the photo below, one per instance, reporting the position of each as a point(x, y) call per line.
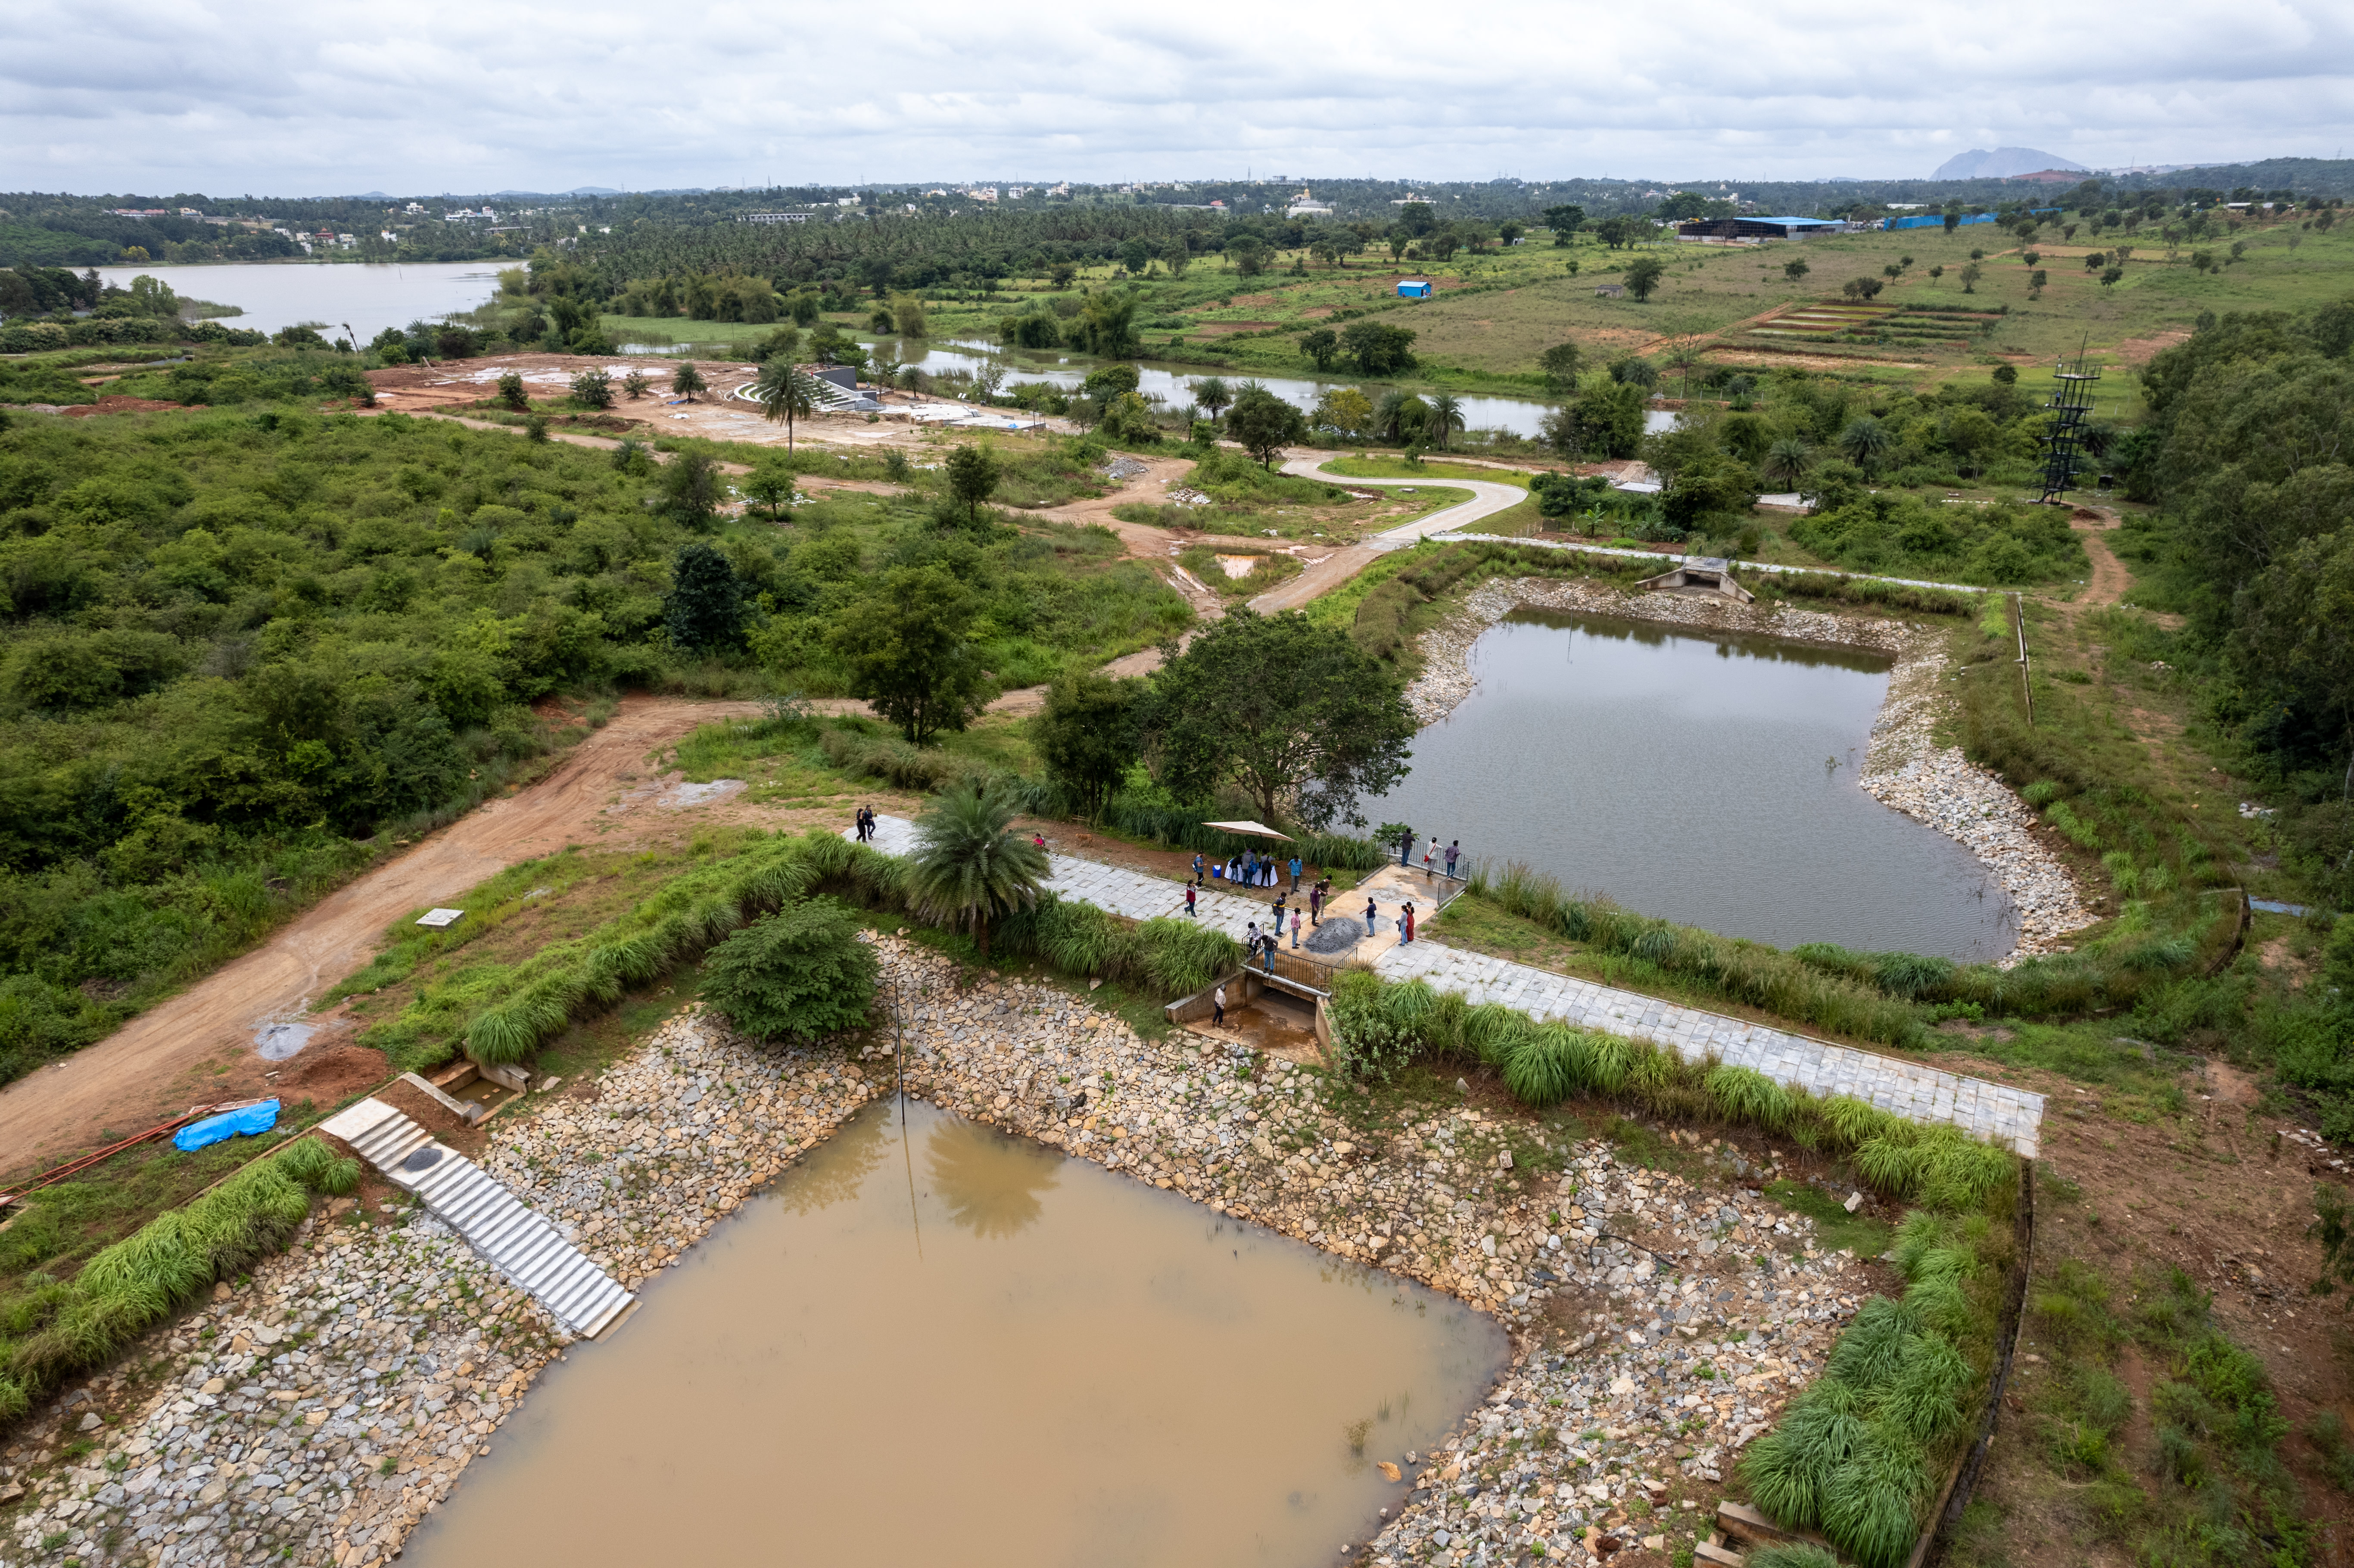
point(61, 1329)
point(1871, 1350)
point(1871, 1502)
point(1790, 1555)
point(1745, 1094)
point(1922, 1400)
point(1788, 1468)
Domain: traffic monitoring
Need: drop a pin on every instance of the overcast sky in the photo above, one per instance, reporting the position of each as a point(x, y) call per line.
point(280, 98)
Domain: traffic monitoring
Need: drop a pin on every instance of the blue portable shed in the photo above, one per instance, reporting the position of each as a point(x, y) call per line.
point(1414, 289)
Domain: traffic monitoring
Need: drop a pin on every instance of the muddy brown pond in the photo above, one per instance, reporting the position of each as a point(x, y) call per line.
point(963, 1347)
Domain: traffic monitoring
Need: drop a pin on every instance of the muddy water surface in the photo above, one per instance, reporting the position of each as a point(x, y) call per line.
point(964, 1348)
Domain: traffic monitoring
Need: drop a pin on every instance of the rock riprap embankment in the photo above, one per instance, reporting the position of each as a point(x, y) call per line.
point(316, 1414)
point(1906, 770)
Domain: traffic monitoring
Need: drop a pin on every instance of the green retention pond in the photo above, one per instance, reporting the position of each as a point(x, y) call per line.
point(957, 1346)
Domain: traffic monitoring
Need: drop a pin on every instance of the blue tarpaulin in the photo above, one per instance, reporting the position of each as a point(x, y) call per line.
point(228, 1124)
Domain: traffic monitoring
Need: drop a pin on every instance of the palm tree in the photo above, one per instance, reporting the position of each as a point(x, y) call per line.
point(786, 392)
point(1788, 461)
point(1445, 415)
point(1864, 441)
point(689, 381)
point(1211, 394)
point(968, 869)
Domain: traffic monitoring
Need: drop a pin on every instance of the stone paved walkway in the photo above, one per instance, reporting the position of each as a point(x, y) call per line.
point(1998, 1112)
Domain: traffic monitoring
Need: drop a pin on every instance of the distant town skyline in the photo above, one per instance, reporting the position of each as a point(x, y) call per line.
point(269, 97)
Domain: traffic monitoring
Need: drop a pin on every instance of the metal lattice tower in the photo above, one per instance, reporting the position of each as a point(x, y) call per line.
point(2072, 400)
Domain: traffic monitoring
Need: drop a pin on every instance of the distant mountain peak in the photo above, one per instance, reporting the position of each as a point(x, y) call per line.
point(2003, 163)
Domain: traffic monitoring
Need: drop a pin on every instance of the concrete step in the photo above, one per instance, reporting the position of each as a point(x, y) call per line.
point(502, 1229)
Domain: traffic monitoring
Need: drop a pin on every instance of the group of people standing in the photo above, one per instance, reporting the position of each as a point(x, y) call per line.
point(1434, 861)
point(865, 822)
point(1248, 869)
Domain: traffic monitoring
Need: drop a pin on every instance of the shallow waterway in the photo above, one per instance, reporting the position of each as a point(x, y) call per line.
point(1707, 778)
point(962, 1346)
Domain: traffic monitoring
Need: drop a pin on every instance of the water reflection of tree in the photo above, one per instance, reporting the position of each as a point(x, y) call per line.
point(839, 1167)
point(990, 1185)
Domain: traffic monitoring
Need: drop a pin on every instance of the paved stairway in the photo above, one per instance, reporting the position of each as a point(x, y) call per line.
point(2010, 1117)
point(531, 1253)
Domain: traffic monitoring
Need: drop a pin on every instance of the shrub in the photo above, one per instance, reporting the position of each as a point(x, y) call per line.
point(802, 973)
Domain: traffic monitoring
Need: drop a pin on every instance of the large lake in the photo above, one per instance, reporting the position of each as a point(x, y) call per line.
point(366, 296)
point(1709, 779)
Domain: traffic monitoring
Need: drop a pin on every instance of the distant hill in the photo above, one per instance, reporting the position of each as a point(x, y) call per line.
point(592, 190)
point(1977, 164)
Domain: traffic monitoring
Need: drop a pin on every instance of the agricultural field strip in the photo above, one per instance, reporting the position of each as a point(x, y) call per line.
point(1667, 561)
point(2012, 1118)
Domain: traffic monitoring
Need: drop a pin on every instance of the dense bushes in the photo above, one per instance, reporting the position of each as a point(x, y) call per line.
point(236, 645)
point(1903, 535)
point(49, 1330)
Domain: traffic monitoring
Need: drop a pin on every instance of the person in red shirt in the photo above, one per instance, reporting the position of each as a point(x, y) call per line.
point(1405, 923)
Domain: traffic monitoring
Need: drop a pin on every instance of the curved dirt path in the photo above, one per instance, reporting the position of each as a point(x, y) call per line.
point(2110, 580)
point(160, 1062)
point(1486, 499)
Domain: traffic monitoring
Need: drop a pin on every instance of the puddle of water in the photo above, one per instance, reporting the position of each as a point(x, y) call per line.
point(1709, 779)
point(680, 796)
point(276, 1039)
point(1238, 566)
point(965, 1348)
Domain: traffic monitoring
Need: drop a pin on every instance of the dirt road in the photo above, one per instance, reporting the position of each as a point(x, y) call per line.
point(2110, 580)
point(162, 1061)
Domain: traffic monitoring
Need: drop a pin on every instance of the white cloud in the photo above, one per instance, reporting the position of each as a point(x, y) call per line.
point(228, 96)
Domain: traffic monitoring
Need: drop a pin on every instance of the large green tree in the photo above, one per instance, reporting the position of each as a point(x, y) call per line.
point(1087, 736)
point(1377, 348)
point(907, 647)
point(972, 474)
point(1643, 275)
point(704, 611)
point(1294, 716)
point(969, 867)
point(1264, 423)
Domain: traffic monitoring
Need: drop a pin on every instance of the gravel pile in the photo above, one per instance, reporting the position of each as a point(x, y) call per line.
point(314, 1414)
